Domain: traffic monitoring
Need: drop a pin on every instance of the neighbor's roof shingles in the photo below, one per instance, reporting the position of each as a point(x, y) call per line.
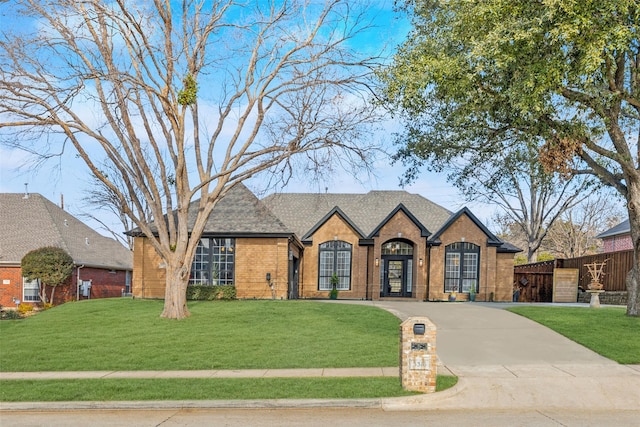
point(28, 223)
point(622, 228)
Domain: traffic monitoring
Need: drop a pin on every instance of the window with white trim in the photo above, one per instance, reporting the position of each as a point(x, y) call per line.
point(335, 257)
point(30, 290)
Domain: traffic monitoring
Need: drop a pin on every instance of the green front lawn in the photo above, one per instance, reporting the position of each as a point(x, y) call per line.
point(125, 334)
point(606, 330)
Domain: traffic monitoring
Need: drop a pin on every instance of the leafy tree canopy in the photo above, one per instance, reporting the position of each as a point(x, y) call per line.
point(478, 78)
point(51, 265)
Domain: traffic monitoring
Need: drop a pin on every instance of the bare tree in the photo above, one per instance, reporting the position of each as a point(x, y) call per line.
point(183, 100)
point(574, 233)
point(531, 199)
point(101, 197)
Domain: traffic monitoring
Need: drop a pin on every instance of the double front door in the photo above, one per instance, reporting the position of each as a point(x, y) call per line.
point(397, 277)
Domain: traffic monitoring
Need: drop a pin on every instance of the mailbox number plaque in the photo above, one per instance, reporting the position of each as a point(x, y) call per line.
point(419, 363)
point(419, 346)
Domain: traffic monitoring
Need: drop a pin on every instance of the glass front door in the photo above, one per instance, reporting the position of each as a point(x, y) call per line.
point(397, 277)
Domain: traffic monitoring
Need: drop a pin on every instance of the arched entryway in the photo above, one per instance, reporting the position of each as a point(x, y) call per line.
point(396, 269)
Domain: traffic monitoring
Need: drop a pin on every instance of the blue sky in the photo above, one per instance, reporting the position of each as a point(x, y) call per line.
point(67, 176)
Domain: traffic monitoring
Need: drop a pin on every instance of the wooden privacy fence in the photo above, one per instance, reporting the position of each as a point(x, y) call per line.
point(535, 281)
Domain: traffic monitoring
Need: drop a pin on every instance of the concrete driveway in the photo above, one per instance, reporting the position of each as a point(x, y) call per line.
point(479, 334)
point(505, 361)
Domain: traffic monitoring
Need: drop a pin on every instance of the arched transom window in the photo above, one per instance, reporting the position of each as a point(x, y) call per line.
point(335, 258)
point(397, 248)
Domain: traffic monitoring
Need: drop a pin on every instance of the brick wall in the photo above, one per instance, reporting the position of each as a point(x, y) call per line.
point(617, 243)
point(504, 277)
point(401, 227)
point(10, 285)
point(334, 227)
point(105, 284)
point(496, 270)
point(254, 258)
point(148, 276)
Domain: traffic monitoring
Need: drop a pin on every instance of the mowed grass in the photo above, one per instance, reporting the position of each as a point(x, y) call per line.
point(208, 389)
point(606, 330)
point(199, 389)
point(122, 334)
point(125, 334)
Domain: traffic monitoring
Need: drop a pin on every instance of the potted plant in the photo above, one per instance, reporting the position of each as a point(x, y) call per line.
point(335, 280)
point(472, 293)
point(452, 296)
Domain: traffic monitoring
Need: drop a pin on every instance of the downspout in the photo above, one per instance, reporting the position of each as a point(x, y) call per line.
point(428, 284)
point(370, 269)
point(78, 282)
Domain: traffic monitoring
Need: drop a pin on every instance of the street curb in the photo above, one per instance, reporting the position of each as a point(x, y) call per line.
point(194, 404)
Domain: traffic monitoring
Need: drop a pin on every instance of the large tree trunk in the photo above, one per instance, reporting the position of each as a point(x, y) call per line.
point(632, 289)
point(633, 199)
point(175, 293)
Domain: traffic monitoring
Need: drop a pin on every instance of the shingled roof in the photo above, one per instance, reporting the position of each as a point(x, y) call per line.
point(622, 228)
point(32, 222)
point(238, 213)
point(302, 211)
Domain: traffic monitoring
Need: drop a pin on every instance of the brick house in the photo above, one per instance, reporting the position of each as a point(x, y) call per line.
point(382, 244)
point(617, 238)
point(30, 221)
point(243, 242)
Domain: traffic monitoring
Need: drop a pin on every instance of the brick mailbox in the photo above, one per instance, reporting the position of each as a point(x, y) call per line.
point(418, 355)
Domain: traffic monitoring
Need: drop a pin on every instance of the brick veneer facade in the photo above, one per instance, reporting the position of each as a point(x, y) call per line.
point(335, 228)
point(496, 269)
point(254, 258)
point(257, 256)
point(401, 228)
point(104, 284)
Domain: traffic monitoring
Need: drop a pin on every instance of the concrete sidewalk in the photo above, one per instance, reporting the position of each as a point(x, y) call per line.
point(248, 373)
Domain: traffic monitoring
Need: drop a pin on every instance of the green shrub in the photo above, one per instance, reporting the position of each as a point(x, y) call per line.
point(9, 314)
point(210, 293)
point(228, 293)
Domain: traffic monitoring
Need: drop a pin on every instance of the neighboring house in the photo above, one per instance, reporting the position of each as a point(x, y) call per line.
point(30, 221)
point(617, 238)
point(383, 244)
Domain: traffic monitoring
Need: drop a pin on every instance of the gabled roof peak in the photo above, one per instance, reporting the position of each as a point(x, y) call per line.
point(335, 211)
point(400, 208)
point(492, 240)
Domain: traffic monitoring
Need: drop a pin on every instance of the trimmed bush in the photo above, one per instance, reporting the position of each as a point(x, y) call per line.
point(210, 293)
